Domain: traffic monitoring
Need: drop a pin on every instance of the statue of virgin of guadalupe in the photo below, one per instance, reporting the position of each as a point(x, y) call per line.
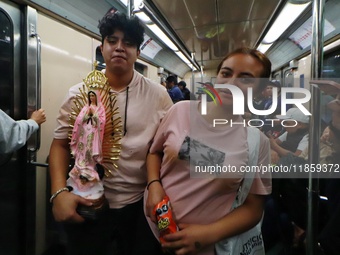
point(95, 141)
point(86, 147)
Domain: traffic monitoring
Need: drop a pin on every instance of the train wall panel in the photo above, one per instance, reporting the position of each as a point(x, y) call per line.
point(66, 58)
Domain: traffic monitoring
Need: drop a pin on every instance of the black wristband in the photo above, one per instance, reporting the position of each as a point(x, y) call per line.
point(156, 180)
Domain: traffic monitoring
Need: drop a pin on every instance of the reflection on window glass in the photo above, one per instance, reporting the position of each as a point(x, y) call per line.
point(331, 66)
point(6, 60)
point(140, 67)
point(99, 59)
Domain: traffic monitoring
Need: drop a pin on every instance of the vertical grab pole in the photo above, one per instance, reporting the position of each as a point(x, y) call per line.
point(33, 71)
point(36, 146)
point(314, 139)
point(130, 7)
point(192, 73)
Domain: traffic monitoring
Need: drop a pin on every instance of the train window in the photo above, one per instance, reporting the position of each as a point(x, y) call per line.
point(331, 71)
point(277, 76)
point(331, 66)
point(140, 68)
point(6, 63)
point(99, 59)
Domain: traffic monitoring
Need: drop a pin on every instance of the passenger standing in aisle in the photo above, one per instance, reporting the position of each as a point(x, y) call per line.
point(14, 134)
point(186, 139)
point(173, 90)
point(185, 91)
point(142, 104)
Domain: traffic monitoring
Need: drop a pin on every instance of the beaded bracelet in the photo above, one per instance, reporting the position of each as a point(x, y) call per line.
point(156, 180)
point(58, 192)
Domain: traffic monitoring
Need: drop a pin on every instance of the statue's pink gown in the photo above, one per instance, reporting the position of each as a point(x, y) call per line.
point(86, 147)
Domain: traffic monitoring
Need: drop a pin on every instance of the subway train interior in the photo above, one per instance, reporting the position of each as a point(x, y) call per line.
point(46, 46)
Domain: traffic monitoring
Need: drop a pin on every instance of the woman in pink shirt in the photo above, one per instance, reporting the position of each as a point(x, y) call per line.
point(187, 143)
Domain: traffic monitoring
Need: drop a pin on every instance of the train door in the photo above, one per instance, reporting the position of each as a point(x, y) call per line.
point(17, 179)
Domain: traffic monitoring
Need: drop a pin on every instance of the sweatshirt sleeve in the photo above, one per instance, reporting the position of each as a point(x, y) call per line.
point(14, 134)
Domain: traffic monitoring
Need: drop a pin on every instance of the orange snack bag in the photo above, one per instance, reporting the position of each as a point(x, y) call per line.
point(165, 221)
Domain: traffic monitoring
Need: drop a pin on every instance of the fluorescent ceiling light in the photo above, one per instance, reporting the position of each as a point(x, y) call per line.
point(192, 67)
point(264, 47)
point(143, 17)
point(287, 16)
point(159, 33)
point(185, 60)
point(181, 56)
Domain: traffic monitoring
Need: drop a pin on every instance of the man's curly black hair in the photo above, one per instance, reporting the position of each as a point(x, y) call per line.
point(131, 27)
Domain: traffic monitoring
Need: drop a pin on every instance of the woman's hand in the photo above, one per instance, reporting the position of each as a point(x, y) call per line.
point(155, 195)
point(188, 240)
